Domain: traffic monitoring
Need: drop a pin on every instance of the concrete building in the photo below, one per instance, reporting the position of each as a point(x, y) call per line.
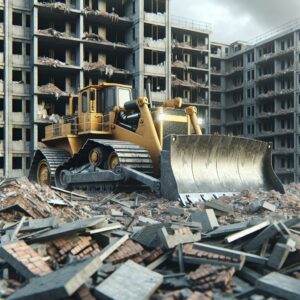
point(49, 49)
point(255, 93)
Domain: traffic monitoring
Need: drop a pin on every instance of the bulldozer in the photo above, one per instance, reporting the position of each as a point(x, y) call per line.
point(110, 141)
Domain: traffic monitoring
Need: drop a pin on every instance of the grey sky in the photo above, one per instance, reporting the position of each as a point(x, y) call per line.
point(238, 19)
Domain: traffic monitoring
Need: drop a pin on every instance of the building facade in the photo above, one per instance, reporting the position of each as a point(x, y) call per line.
point(51, 49)
point(256, 94)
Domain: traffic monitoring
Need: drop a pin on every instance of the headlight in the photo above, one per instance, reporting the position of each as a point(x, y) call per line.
point(161, 117)
point(200, 121)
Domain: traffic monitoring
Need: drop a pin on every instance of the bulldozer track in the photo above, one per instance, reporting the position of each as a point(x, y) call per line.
point(54, 158)
point(129, 155)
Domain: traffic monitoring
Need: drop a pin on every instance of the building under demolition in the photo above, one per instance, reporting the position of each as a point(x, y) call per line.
point(255, 93)
point(55, 48)
point(59, 47)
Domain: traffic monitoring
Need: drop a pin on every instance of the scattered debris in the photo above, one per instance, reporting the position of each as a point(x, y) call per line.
point(51, 62)
point(60, 244)
point(50, 88)
point(107, 70)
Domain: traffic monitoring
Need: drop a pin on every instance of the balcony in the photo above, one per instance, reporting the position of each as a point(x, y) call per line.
point(284, 92)
point(234, 88)
point(20, 31)
point(283, 151)
point(155, 44)
point(1, 29)
point(20, 146)
point(19, 117)
point(155, 70)
point(235, 70)
point(280, 112)
point(232, 104)
point(56, 5)
point(1, 86)
point(265, 77)
point(21, 60)
point(234, 122)
point(216, 104)
point(215, 122)
point(215, 71)
point(189, 46)
point(272, 55)
point(215, 88)
point(153, 18)
point(273, 132)
point(269, 94)
point(284, 171)
point(189, 83)
point(20, 88)
point(1, 58)
point(17, 173)
point(159, 96)
point(20, 4)
point(1, 116)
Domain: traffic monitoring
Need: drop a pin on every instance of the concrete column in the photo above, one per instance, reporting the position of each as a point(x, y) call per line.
point(209, 84)
point(34, 82)
point(80, 50)
point(7, 89)
point(168, 51)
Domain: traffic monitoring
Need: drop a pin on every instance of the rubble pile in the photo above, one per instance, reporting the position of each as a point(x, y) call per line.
point(111, 16)
point(57, 244)
point(107, 70)
point(55, 33)
point(57, 5)
point(51, 89)
point(51, 62)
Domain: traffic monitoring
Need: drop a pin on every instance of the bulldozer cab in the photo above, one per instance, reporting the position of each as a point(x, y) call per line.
point(95, 104)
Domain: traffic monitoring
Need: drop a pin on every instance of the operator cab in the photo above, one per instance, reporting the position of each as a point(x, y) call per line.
point(103, 98)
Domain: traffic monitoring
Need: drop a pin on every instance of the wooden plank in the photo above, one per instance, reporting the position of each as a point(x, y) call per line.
point(112, 247)
point(279, 285)
point(231, 253)
point(17, 229)
point(68, 192)
point(159, 261)
point(105, 228)
point(130, 281)
point(236, 236)
point(256, 243)
point(201, 260)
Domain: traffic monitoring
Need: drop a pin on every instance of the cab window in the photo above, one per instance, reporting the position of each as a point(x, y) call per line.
point(84, 100)
point(124, 95)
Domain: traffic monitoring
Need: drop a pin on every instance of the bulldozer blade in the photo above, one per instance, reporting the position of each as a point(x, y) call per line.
point(201, 167)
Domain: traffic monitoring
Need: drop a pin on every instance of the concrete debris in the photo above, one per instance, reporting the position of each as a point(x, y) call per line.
point(55, 33)
point(188, 83)
point(113, 17)
point(57, 5)
point(107, 70)
point(114, 247)
point(51, 62)
point(51, 89)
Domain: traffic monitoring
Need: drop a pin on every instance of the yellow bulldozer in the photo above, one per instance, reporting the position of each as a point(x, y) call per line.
point(110, 141)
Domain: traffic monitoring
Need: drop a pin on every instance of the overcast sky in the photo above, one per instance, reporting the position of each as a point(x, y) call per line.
point(238, 19)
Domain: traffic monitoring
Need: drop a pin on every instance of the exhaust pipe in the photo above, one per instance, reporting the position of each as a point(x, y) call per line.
point(149, 92)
